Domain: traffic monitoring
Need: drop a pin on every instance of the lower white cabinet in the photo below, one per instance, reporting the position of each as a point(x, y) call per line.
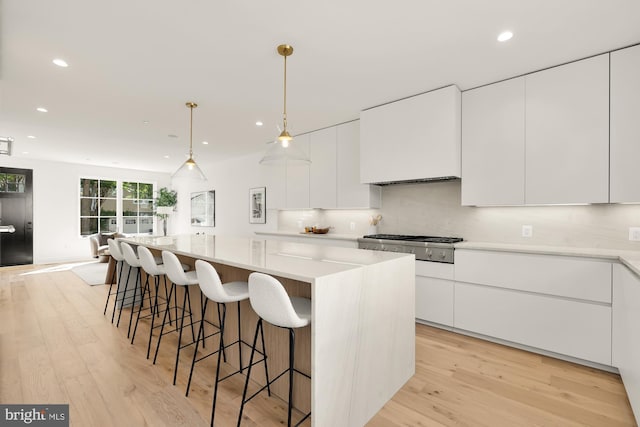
point(434, 292)
point(626, 332)
point(554, 303)
point(572, 328)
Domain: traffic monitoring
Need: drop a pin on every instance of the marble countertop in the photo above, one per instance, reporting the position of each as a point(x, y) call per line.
point(629, 258)
point(329, 235)
point(298, 261)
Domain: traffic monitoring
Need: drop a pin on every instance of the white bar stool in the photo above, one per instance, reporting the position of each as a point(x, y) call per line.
point(150, 266)
point(116, 254)
point(222, 294)
point(178, 277)
point(134, 262)
point(271, 303)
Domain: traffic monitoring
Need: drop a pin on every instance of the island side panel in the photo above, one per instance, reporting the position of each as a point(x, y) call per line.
point(363, 340)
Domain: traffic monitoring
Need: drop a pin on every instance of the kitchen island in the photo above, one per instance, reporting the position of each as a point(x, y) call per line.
point(360, 347)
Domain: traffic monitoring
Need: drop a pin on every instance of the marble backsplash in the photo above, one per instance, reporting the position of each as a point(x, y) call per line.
point(434, 209)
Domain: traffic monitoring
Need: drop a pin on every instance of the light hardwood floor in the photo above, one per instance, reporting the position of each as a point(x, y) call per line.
point(57, 347)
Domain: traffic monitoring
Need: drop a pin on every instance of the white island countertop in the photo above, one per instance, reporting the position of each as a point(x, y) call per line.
point(298, 261)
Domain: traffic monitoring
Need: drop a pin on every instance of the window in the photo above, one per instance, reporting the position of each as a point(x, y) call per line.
point(12, 183)
point(103, 203)
point(137, 207)
point(98, 206)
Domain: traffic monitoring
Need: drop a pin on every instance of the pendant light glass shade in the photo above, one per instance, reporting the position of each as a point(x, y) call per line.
point(282, 149)
point(190, 169)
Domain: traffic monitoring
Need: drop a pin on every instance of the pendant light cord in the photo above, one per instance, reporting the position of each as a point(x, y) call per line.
point(191, 133)
point(284, 114)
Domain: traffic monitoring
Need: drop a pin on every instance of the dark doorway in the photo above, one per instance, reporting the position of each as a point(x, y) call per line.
point(16, 209)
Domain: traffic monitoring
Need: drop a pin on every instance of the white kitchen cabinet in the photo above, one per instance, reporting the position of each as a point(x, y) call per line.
point(412, 139)
point(571, 277)
point(560, 325)
point(554, 303)
point(626, 332)
point(493, 131)
point(625, 125)
point(322, 170)
point(297, 178)
point(350, 192)
point(434, 292)
point(567, 133)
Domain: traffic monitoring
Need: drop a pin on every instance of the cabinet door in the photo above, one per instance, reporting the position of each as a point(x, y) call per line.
point(493, 144)
point(352, 194)
point(414, 138)
point(567, 133)
point(297, 177)
point(322, 179)
point(569, 277)
point(625, 125)
point(434, 300)
point(572, 328)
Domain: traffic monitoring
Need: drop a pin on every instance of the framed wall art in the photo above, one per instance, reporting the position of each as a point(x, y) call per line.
point(258, 205)
point(203, 209)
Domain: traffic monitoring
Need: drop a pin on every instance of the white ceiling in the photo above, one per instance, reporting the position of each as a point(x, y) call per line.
point(132, 61)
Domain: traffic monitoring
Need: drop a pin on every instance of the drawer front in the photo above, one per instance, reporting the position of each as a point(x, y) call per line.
point(434, 300)
point(572, 328)
point(438, 270)
point(579, 278)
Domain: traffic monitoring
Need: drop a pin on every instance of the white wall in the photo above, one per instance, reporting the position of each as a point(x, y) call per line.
point(231, 181)
point(434, 209)
point(56, 205)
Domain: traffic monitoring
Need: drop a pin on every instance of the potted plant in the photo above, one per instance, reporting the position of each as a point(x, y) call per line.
point(166, 201)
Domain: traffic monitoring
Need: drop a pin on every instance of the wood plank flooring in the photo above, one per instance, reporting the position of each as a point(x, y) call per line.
point(57, 347)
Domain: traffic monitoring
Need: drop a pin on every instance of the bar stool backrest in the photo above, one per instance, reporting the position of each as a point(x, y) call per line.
point(129, 255)
point(114, 250)
point(148, 262)
point(210, 283)
point(270, 301)
point(173, 269)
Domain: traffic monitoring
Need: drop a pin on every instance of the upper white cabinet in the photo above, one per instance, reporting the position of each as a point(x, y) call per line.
point(412, 139)
point(567, 133)
point(323, 173)
point(332, 180)
point(625, 125)
point(350, 192)
point(297, 178)
point(493, 144)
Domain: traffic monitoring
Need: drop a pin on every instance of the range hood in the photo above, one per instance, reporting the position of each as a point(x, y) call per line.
point(415, 139)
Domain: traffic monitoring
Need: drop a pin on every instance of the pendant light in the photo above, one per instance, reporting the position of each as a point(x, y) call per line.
point(190, 169)
point(282, 149)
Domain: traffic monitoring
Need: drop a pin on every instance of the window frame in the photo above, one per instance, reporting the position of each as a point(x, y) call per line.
point(119, 198)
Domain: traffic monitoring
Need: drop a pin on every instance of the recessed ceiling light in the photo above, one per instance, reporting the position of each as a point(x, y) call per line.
point(205, 142)
point(146, 122)
point(166, 157)
point(172, 135)
point(25, 152)
point(504, 36)
point(60, 62)
point(259, 123)
point(42, 109)
point(31, 137)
